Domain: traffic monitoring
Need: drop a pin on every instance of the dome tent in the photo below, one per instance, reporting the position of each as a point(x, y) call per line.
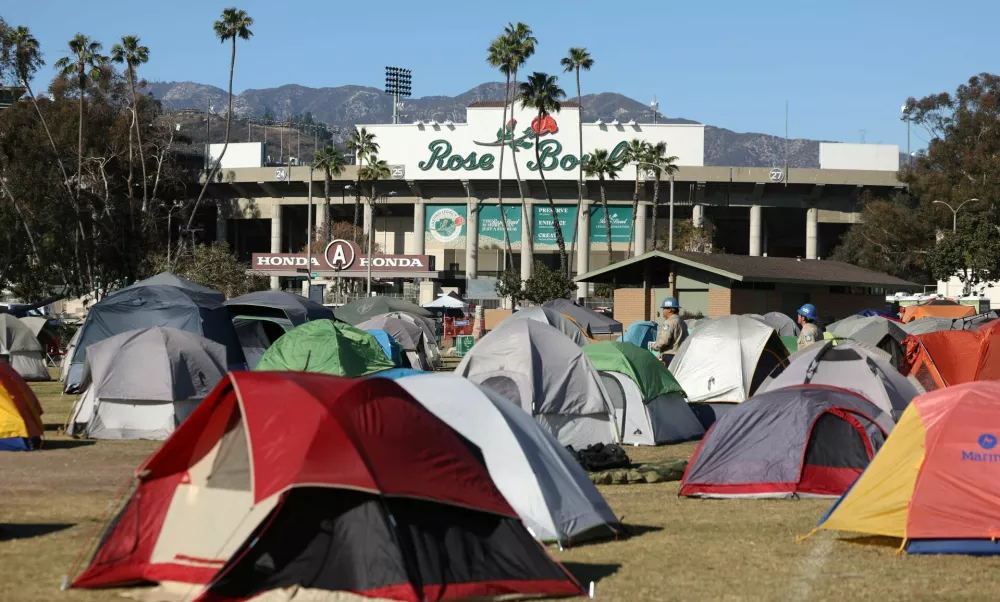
point(327, 347)
point(649, 404)
point(806, 440)
point(541, 480)
point(366, 308)
point(408, 513)
point(142, 383)
point(593, 322)
point(21, 426)
point(389, 345)
point(163, 300)
point(407, 334)
point(554, 319)
point(851, 366)
point(278, 304)
point(543, 372)
point(640, 333)
point(23, 351)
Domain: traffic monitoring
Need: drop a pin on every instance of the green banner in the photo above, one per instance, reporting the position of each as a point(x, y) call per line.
point(621, 224)
point(446, 226)
point(491, 226)
point(544, 233)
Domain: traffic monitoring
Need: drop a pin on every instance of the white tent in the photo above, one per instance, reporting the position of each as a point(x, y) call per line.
point(143, 383)
point(553, 318)
point(727, 359)
point(445, 302)
point(541, 481)
point(665, 419)
point(22, 349)
point(533, 365)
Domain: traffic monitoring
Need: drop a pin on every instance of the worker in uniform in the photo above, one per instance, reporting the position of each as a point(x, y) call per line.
point(810, 332)
point(672, 333)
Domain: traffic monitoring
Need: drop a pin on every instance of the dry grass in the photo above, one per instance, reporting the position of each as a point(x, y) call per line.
point(683, 550)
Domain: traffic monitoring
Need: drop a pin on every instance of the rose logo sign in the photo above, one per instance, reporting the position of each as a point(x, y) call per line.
point(544, 125)
point(446, 225)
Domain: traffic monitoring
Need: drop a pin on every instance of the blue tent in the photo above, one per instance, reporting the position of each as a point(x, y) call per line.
point(867, 313)
point(640, 334)
point(389, 344)
point(397, 373)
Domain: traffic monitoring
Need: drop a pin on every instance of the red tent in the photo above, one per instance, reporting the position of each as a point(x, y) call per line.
point(340, 484)
point(951, 357)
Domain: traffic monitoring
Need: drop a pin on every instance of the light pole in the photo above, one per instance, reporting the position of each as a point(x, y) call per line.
point(398, 82)
point(309, 238)
point(954, 211)
point(371, 235)
point(670, 226)
point(906, 117)
point(655, 106)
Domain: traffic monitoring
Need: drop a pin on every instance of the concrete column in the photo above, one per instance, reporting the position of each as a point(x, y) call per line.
point(755, 231)
point(527, 250)
point(640, 230)
point(583, 247)
point(319, 221)
point(275, 236)
point(812, 239)
point(472, 241)
point(419, 217)
point(698, 215)
point(367, 209)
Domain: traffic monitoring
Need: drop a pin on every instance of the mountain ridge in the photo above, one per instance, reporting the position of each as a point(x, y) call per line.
point(343, 107)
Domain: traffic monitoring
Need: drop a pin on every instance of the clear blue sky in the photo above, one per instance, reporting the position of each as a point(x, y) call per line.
point(843, 66)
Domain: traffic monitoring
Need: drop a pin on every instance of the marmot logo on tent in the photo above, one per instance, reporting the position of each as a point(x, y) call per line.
point(365, 307)
point(711, 381)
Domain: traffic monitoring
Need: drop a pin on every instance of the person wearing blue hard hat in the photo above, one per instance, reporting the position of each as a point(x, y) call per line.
point(672, 333)
point(810, 332)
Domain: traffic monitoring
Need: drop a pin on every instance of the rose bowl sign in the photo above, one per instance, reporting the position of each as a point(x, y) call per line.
point(341, 256)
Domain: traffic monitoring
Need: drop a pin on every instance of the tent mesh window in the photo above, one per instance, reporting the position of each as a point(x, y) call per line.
point(926, 378)
point(836, 443)
point(617, 395)
point(506, 387)
point(231, 468)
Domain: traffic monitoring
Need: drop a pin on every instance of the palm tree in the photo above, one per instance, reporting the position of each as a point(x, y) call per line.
point(522, 47)
point(635, 152)
point(543, 94)
point(361, 143)
point(499, 56)
point(376, 170)
point(27, 59)
point(331, 161)
point(235, 23)
point(657, 155)
point(599, 164)
point(132, 54)
point(85, 65)
point(577, 59)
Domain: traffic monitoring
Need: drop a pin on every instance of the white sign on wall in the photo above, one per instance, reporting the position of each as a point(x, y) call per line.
point(464, 151)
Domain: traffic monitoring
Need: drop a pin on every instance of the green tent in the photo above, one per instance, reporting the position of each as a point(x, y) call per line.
point(640, 365)
point(328, 347)
point(791, 343)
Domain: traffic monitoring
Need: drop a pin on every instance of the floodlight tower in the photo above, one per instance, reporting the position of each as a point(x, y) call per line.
point(398, 82)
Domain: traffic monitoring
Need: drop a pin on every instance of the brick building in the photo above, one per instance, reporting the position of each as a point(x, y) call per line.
point(718, 285)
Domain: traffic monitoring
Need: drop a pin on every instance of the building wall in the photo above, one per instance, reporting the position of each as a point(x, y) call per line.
point(841, 155)
point(634, 304)
point(719, 301)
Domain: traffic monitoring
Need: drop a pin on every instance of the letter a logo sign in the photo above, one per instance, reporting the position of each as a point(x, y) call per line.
point(339, 254)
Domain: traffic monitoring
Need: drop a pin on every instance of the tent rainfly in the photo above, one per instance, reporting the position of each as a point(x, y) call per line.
point(327, 347)
point(22, 349)
point(554, 319)
point(593, 322)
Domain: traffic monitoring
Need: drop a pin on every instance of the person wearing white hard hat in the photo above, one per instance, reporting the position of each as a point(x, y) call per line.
point(672, 333)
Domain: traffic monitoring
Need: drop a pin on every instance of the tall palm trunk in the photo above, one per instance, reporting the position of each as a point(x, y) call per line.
point(509, 259)
point(560, 241)
point(656, 206)
point(138, 137)
point(579, 184)
point(525, 218)
point(357, 195)
point(79, 140)
point(607, 216)
point(326, 209)
point(635, 212)
point(225, 145)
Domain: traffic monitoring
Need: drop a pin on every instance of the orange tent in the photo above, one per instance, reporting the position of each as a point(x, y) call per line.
point(951, 357)
point(940, 308)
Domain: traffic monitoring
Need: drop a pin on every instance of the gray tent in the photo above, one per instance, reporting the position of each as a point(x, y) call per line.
point(24, 352)
point(781, 323)
point(430, 345)
point(171, 279)
point(143, 383)
point(408, 334)
point(365, 308)
point(256, 335)
point(278, 304)
point(925, 325)
point(596, 323)
point(802, 441)
point(849, 365)
point(534, 366)
point(554, 319)
point(185, 308)
point(887, 336)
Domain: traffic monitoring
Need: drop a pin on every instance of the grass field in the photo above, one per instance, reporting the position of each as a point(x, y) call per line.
point(682, 549)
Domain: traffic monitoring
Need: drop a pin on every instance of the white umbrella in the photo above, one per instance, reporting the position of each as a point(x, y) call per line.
point(445, 302)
